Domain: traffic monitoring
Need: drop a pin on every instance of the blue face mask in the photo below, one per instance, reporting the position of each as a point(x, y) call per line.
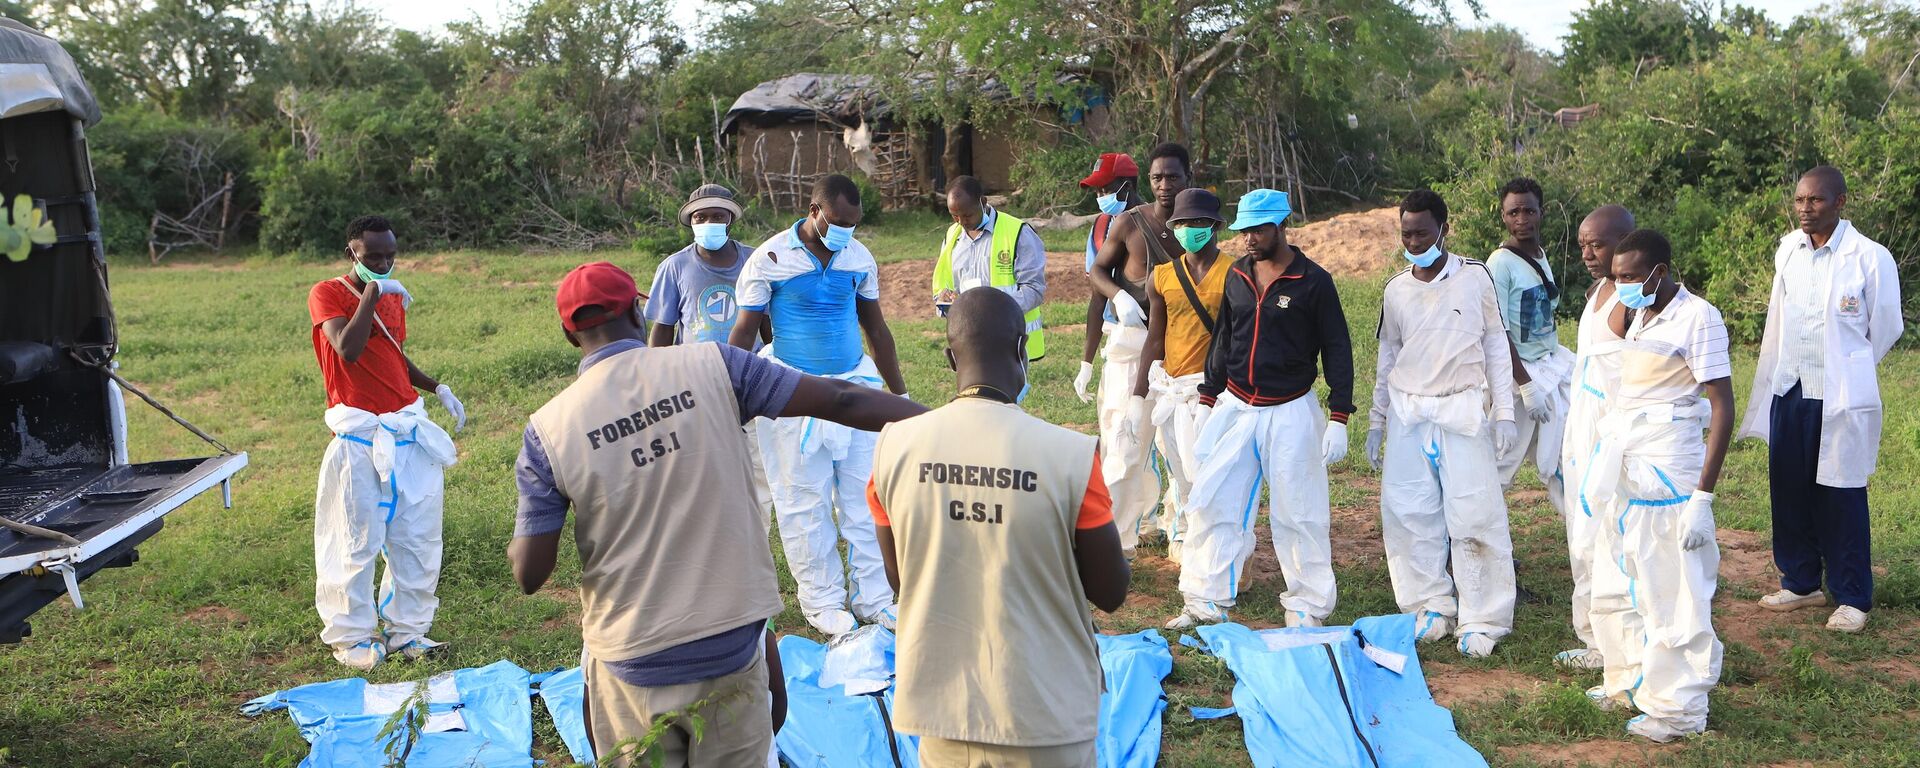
point(1026, 382)
point(712, 237)
point(1635, 295)
point(1424, 258)
point(836, 238)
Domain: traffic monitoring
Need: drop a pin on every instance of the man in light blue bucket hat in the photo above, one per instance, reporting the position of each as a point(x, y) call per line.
point(1279, 321)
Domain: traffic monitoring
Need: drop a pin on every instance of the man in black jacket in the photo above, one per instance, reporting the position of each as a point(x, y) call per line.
point(1279, 320)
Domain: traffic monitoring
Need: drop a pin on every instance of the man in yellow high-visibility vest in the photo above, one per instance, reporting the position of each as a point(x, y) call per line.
point(986, 247)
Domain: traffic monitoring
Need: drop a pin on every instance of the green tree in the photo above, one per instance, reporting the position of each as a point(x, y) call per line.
point(183, 57)
point(1638, 35)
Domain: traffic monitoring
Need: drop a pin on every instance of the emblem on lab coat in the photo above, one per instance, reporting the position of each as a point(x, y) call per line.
point(1283, 301)
point(1850, 306)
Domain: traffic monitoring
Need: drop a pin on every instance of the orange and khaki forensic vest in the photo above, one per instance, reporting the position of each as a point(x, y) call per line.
point(1188, 340)
point(647, 445)
point(995, 639)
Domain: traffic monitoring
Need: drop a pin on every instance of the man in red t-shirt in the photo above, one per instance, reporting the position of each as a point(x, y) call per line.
point(380, 480)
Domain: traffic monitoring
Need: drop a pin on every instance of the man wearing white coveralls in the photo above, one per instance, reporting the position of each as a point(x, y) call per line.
point(1442, 410)
point(380, 480)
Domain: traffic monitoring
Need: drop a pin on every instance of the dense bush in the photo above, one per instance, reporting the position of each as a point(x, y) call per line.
point(583, 123)
point(1707, 152)
point(145, 161)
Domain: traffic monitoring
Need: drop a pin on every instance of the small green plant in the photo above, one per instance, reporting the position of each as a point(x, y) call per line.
point(1565, 710)
point(693, 718)
point(1804, 673)
point(405, 726)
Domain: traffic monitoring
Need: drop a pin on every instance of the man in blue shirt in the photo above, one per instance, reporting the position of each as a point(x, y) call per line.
point(1542, 369)
point(693, 298)
point(820, 289)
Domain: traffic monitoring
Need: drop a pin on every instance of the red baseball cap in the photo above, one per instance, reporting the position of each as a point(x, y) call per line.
point(599, 284)
point(1110, 166)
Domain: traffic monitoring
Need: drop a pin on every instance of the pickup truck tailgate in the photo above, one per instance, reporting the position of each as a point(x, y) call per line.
point(100, 507)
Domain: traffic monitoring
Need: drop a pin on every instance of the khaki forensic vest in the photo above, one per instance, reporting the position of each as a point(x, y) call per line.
point(1005, 245)
point(647, 445)
point(995, 639)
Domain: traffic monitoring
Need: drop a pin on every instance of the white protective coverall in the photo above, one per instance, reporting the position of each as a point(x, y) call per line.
point(1652, 600)
point(1652, 597)
point(1239, 447)
point(1126, 464)
point(1440, 505)
point(818, 471)
point(1595, 373)
point(1443, 379)
point(380, 494)
point(1541, 440)
point(1178, 417)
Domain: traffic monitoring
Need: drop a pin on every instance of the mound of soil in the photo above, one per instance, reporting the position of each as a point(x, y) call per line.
point(1355, 244)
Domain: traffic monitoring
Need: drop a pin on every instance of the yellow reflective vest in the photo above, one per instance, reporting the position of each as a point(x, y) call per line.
point(1006, 235)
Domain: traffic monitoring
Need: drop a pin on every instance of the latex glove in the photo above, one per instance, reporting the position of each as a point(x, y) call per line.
point(1504, 435)
point(1536, 402)
point(1127, 310)
point(1374, 437)
point(1083, 382)
point(453, 405)
point(1699, 521)
point(391, 286)
point(1134, 420)
point(1200, 420)
point(1333, 445)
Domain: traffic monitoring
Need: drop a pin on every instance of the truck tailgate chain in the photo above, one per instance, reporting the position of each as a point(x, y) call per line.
point(168, 412)
point(34, 530)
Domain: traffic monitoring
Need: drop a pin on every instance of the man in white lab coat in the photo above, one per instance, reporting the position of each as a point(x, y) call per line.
point(1835, 312)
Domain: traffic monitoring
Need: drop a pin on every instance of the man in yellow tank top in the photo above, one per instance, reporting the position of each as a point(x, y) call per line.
point(996, 530)
point(1166, 392)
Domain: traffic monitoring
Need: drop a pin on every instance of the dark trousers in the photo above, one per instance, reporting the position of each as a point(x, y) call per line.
point(1816, 529)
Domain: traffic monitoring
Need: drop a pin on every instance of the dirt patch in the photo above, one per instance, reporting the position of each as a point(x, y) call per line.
point(1355, 528)
point(214, 614)
point(906, 286)
point(1454, 685)
point(1746, 558)
point(1607, 753)
point(1899, 668)
point(1358, 244)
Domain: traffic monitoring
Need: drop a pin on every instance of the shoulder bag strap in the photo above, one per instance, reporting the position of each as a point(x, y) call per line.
point(1193, 296)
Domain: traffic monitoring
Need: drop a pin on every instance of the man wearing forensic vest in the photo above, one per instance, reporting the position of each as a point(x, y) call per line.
point(676, 577)
point(986, 247)
point(996, 530)
point(1834, 314)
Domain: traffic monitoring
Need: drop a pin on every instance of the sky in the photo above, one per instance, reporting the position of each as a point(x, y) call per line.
point(1544, 22)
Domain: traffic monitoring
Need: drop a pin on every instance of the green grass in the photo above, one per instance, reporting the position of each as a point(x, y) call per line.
point(219, 609)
